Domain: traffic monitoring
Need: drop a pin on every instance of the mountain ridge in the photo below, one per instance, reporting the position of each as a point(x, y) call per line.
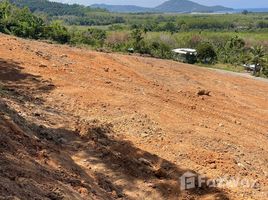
point(171, 6)
point(121, 8)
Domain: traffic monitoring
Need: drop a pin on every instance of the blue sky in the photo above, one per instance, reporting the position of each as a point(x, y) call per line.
point(152, 3)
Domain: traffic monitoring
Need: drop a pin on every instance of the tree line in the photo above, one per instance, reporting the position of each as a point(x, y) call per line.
point(230, 50)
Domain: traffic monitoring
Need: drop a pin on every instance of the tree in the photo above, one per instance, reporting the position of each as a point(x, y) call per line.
point(94, 37)
point(24, 24)
point(206, 53)
point(160, 50)
point(262, 24)
point(258, 58)
point(184, 27)
point(138, 42)
point(5, 13)
point(233, 51)
point(170, 27)
point(20, 22)
point(245, 12)
point(236, 43)
point(57, 32)
point(5, 10)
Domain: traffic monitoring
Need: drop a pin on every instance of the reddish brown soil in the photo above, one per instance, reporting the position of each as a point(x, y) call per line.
point(78, 124)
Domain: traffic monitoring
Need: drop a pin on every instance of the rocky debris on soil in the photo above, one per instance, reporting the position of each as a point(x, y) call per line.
point(145, 161)
point(63, 56)
point(108, 82)
point(43, 55)
point(160, 173)
point(221, 125)
point(109, 187)
point(203, 93)
point(106, 69)
point(9, 198)
point(139, 125)
point(237, 122)
point(47, 87)
point(43, 65)
point(94, 130)
point(50, 157)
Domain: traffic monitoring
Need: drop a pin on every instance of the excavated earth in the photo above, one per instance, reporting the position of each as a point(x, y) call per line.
point(79, 124)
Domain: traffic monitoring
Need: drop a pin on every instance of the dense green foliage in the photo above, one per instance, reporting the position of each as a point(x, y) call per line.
point(93, 37)
point(82, 15)
point(206, 53)
point(92, 19)
point(181, 23)
point(21, 22)
point(225, 39)
point(71, 14)
point(55, 31)
point(258, 59)
point(54, 8)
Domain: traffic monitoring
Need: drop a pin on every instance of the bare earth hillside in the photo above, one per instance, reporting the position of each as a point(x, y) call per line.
point(78, 124)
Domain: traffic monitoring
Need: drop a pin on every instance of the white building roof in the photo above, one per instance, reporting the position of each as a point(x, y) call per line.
point(185, 51)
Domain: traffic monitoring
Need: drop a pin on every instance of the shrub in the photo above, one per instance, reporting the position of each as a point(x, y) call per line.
point(138, 42)
point(194, 41)
point(117, 41)
point(57, 32)
point(234, 51)
point(258, 59)
point(94, 37)
point(20, 22)
point(170, 27)
point(206, 53)
point(24, 24)
point(160, 50)
point(166, 39)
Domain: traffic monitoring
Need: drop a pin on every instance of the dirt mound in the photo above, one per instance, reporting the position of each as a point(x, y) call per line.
point(87, 163)
point(77, 124)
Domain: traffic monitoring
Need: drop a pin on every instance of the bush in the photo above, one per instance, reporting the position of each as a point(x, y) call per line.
point(20, 22)
point(94, 37)
point(234, 51)
point(206, 53)
point(117, 41)
point(25, 24)
point(265, 71)
point(160, 50)
point(57, 32)
point(170, 27)
point(139, 43)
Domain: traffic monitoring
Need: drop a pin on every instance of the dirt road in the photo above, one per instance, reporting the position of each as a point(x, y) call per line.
point(78, 124)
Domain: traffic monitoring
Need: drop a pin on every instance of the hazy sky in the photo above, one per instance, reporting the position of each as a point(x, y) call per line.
point(152, 3)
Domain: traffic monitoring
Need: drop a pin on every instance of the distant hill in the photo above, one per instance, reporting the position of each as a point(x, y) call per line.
point(180, 6)
point(171, 6)
point(122, 8)
point(54, 8)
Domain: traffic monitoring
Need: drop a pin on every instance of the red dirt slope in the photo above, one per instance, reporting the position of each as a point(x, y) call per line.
point(78, 124)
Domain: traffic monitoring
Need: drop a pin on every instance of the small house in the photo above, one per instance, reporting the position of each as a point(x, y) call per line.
point(185, 55)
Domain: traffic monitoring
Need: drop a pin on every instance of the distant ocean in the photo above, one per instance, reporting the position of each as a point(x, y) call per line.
point(254, 10)
point(250, 10)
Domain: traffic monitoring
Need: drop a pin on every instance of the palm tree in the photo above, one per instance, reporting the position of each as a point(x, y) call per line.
point(258, 58)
